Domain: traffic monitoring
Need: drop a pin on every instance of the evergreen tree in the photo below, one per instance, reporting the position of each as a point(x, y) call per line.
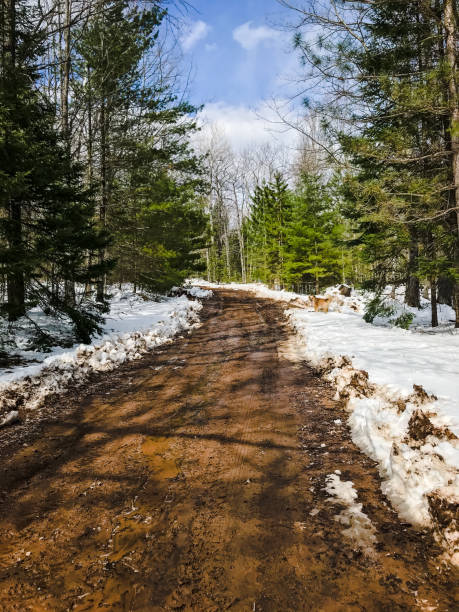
point(146, 177)
point(266, 231)
point(161, 233)
point(110, 49)
point(390, 71)
point(314, 250)
point(402, 149)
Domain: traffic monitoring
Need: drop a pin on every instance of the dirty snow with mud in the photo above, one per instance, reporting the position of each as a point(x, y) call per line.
point(135, 324)
point(378, 370)
point(359, 528)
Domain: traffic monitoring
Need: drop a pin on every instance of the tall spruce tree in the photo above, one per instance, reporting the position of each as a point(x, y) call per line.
point(314, 242)
point(110, 49)
point(390, 75)
point(402, 149)
point(160, 233)
point(266, 230)
point(146, 177)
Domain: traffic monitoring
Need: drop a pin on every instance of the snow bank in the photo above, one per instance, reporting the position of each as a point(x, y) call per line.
point(401, 388)
point(135, 324)
point(355, 303)
point(421, 316)
point(258, 288)
point(411, 431)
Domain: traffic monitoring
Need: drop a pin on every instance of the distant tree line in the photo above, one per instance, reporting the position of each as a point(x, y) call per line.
point(277, 222)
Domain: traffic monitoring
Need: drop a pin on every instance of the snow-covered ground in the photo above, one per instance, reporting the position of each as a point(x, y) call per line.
point(135, 324)
point(401, 388)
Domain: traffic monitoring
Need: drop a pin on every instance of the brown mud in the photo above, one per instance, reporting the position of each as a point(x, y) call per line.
point(186, 481)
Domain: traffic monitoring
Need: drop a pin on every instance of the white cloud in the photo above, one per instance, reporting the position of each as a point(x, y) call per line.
point(196, 31)
point(245, 127)
point(250, 37)
point(211, 47)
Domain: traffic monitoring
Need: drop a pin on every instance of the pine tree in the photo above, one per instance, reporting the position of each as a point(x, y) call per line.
point(161, 232)
point(146, 177)
point(402, 148)
point(110, 49)
point(391, 81)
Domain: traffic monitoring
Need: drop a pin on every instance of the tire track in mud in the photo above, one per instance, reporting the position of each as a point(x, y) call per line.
point(193, 479)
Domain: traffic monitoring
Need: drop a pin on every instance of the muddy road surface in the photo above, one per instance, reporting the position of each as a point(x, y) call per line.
point(193, 479)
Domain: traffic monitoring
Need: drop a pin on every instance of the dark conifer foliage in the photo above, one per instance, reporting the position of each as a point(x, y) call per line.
point(98, 182)
point(267, 230)
point(46, 226)
point(315, 236)
point(387, 73)
point(403, 150)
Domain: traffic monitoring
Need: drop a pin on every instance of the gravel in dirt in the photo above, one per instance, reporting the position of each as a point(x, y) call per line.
point(194, 479)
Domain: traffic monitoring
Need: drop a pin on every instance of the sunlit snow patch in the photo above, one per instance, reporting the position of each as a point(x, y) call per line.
point(199, 293)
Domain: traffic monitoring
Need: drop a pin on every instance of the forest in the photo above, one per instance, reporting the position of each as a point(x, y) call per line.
point(99, 184)
point(104, 178)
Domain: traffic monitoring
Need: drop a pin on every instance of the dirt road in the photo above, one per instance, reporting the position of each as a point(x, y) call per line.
point(193, 479)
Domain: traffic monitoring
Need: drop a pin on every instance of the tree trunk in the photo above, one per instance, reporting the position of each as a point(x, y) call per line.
point(208, 264)
point(433, 301)
point(90, 175)
point(451, 56)
point(211, 249)
point(227, 255)
point(240, 235)
point(90, 133)
point(445, 290)
point(412, 290)
point(65, 75)
point(14, 275)
point(70, 297)
point(242, 256)
point(100, 294)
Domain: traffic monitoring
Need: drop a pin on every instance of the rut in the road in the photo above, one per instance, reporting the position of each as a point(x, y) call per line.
point(194, 479)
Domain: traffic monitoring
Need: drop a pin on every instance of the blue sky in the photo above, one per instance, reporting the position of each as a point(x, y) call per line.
point(240, 61)
point(239, 54)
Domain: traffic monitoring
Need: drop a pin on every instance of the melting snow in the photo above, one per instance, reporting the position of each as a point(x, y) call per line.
point(197, 292)
point(359, 528)
point(135, 325)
